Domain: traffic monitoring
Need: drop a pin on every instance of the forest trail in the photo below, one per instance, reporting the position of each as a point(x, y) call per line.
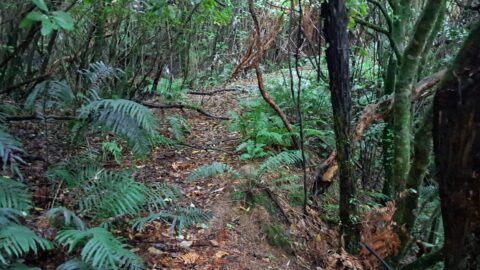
point(232, 239)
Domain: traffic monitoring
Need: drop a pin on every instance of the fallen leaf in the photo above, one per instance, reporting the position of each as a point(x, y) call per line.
point(189, 258)
point(154, 251)
point(221, 254)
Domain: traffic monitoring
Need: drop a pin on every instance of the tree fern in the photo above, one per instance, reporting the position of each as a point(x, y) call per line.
point(216, 168)
point(13, 194)
point(160, 196)
point(179, 217)
point(49, 94)
point(17, 240)
point(101, 250)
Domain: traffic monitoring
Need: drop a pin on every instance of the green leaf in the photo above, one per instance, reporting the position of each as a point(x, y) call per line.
point(47, 27)
point(36, 16)
point(63, 19)
point(40, 4)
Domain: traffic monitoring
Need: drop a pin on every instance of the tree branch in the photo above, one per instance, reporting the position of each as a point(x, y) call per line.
point(183, 106)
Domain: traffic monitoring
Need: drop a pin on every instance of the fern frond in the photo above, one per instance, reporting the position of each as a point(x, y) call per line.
point(284, 158)
point(13, 194)
point(74, 264)
point(69, 218)
point(161, 195)
point(109, 194)
point(49, 94)
point(17, 240)
point(216, 168)
point(21, 266)
point(102, 250)
point(10, 215)
point(180, 218)
point(10, 151)
point(179, 126)
point(125, 118)
point(99, 73)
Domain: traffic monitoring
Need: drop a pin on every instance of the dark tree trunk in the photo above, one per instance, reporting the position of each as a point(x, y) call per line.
point(337, 53)
point(457, 155)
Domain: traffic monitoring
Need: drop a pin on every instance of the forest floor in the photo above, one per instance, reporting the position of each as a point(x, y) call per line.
point(233, 238)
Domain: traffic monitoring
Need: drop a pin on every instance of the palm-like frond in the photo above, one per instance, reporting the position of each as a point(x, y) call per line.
point(125, 118)
point(160, 196)
point(68, 217)
point(107, 194)
point(179, 126)
point(13, 194)
point(99, 73)
point(180, 217)
point(17, 240)
point(10, 215)
point(10, 151)
point(74, 264)
point(216, 168)
point(49, 94)
point(102, 250)
point(284, 158)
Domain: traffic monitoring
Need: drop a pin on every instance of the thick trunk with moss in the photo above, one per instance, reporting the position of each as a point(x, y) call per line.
point(402, 107)
point(457, 142)
point(337, 53)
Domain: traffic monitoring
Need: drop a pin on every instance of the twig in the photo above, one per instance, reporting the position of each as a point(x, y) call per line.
point(216, 91)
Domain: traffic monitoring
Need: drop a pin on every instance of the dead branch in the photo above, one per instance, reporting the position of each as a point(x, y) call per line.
point(183, 106)
point(216, 91)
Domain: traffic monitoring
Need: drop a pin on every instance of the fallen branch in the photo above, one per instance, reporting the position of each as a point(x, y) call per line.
point(38, 118)
point(183, 106)
point(372, 113)
point(216, 91)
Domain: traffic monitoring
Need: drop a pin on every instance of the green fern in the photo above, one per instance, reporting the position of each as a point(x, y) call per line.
point(20, 266)
point(10, 215)
point(179, 126)
point(49, 94)
point(284, 158)
point(101, 249)
point(74, 264)
point(114, 149)
point(125, 118)
point(17, 240)
point(160, 196)
point(180, 218)
point(10, 151)
point(214, 169)
point(99, 74)
point(107, 194)
point(13, 194)
point(68, 218)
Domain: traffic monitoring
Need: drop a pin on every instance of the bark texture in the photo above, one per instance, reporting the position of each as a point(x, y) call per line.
point(337, 53)
point(457, 143)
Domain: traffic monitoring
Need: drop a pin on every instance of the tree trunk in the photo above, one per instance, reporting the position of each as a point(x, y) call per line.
point(337, 53)
point(456, 143)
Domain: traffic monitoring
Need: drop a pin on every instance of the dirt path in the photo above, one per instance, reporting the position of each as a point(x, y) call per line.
point(233, 238)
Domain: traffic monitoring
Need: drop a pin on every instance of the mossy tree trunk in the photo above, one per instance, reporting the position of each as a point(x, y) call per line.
point(456, 129)
point(402, 114)
point(335, 16)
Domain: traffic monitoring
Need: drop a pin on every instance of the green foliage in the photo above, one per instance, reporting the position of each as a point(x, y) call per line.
point(179, 217)
point(214, 169)
point(101, 249)
point(17, 240)
point(68, 218)
point(48, 95)
point(286, 158)
point(14, 194)
point(10, 151)
point(252, 150)
point(50, 20)
point(114, 149)
point(74, 264)
point(179, 126)
point(125, 118)
point(276, 235)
